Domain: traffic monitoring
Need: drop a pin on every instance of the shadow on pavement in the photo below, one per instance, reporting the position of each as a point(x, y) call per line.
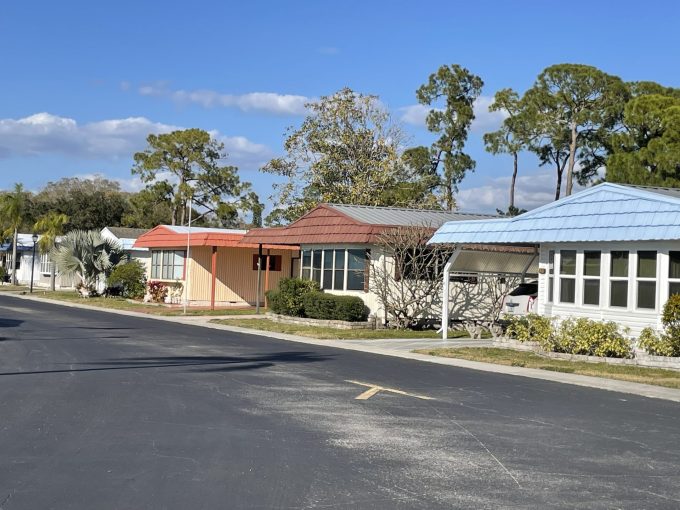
point(10, 323)
point(216, 363)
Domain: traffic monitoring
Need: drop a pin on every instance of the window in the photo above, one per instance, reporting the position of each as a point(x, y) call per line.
point(45, 263)
point(339, 269)
point(618, 284)
point(9, 261)
point(356, 267)
point(167, 264)
point(339, 265)
point(567, 276)
point(327, 281)
point(551, 275)
point(307, 264)
point(591, 277)
point(673, 272)
point(274, 262)
point(646, 279)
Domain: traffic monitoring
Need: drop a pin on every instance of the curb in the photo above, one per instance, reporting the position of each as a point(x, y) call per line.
point(644, 390)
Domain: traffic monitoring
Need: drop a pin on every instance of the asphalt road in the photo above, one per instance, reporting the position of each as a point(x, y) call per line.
point(102, 411)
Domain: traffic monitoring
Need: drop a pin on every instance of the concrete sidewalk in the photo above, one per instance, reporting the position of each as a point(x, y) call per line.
point(402, 348)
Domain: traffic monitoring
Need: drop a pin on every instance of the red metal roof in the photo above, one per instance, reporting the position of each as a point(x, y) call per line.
point(164, 236)
point(322, 225)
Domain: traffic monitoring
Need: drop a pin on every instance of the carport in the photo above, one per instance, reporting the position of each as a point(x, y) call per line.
point(485, 259)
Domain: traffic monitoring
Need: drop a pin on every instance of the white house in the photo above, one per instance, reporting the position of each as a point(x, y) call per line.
point(611, 252)
point(125, 238)
point(338, 245)
point(42, 265)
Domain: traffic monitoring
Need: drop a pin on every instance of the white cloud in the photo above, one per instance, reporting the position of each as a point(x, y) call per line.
point(484, 119)
point(268, 102)
point(47, 134)
point(531, 191)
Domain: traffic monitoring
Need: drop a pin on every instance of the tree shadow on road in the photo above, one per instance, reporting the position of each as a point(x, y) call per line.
point(216, 363)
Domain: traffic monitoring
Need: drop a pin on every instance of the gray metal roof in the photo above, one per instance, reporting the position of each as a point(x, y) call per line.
point(126, 232)
point(671, 192)
point(404, 217)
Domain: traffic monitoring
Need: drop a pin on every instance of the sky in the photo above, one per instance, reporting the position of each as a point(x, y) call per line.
point(83, 83)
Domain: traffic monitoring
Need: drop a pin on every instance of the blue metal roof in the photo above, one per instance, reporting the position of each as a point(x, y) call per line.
point(606, 212)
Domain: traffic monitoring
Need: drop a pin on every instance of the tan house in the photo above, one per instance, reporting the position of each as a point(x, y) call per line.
point(210, 267)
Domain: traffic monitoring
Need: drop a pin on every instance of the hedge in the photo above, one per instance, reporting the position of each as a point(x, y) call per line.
point(288, 299)
point(318, 305)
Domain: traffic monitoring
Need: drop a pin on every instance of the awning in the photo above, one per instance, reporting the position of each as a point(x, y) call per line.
point(168, 236)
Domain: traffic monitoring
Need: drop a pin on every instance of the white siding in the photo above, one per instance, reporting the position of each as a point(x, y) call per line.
point(631, 316)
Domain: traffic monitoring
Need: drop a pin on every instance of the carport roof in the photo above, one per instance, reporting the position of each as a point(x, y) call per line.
point(606, 212)
point(170, 236)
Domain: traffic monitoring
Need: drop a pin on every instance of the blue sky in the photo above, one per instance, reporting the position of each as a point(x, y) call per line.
point(83, 83)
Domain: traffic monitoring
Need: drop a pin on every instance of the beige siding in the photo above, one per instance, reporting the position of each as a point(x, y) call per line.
point(236, 280)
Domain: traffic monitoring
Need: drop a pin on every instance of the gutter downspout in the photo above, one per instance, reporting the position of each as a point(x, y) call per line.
point(445, 293)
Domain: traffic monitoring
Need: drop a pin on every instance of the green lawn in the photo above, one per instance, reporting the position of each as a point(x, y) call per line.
point(323, 333)
point(656, 376)
point(117, 303)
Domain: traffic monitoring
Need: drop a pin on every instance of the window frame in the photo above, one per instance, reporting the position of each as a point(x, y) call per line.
point(672, 280)
point(644, 279)
point(586, 277)
point(45, 262)
point(337, 273)
point(566, 276)
point(160, 266)
point(613, 279)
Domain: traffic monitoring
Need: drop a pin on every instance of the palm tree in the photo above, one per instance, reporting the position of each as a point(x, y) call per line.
point(87, 255)
point(12, 211)
point(51, 226)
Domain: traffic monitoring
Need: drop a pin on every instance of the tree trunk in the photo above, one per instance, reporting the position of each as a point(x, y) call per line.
point(572, 159)
point(449, 198)
point(513, 181)
point(14, 256)
point(53, 276)
point(558, 187)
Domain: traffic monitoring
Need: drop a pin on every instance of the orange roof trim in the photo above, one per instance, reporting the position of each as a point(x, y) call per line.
point(164, 236)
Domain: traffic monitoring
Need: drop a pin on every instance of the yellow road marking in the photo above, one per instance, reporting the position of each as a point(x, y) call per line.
point(374, 388)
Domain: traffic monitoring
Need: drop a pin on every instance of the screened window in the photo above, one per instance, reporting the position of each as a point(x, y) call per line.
point(618, 283)
point(167, 264)
point(646, 279)
point(591, 277)
point(335, 269)
point(356, 267)
point(567, 276)
point(673, 272)
point(45, 263)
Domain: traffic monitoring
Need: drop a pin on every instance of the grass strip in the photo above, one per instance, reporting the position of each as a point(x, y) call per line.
point(655, 376)
point(117, 303)
point(324, 333)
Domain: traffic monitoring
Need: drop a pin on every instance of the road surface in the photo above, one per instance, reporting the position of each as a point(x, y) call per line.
point(103, 411)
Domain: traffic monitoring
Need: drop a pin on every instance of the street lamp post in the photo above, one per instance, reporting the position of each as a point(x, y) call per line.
point(35, 241)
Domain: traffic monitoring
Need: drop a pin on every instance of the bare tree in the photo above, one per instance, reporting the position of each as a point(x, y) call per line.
point(406, 275)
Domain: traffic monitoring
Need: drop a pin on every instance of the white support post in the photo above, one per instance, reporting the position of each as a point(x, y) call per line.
point(445, 292)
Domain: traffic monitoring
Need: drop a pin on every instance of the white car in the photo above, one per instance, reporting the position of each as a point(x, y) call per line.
point(522, 300)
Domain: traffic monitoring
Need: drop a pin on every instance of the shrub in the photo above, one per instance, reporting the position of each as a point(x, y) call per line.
point(3, 272)
point(130, 278)
point(318, 305)
point(667, 343)
point(592, 338)
point(656, 345)
point(158, 291)
point(288, 299)
point(530, 328)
